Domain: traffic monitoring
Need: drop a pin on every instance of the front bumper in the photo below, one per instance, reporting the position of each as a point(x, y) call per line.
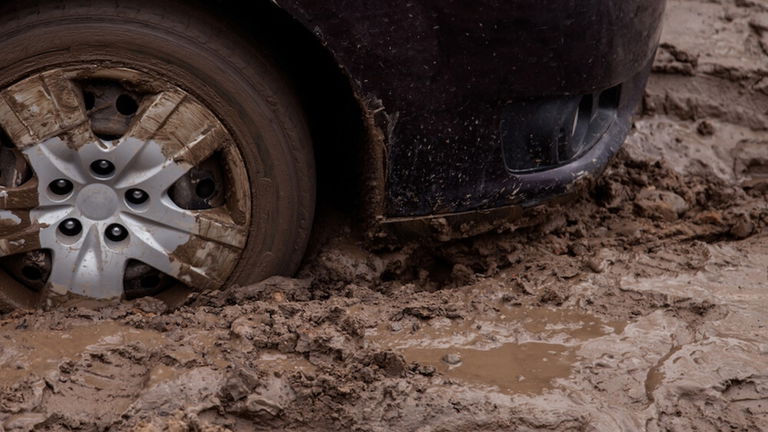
point(547, 147)
point(453, 88)
point(592, 142)
point(556, 110)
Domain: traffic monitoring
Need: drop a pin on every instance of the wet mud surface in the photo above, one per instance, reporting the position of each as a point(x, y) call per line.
point(640, 306)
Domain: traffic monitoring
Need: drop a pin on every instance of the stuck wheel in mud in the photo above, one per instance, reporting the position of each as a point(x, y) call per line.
point(143, 152)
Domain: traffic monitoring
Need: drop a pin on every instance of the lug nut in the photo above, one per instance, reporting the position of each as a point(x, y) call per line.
point(136, 196)
point(102, 167)
point(61, 186)
point(70, 227)
point(116, 233)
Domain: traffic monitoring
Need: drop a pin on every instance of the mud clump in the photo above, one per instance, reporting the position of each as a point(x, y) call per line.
point(661, 204)
point(638, 305)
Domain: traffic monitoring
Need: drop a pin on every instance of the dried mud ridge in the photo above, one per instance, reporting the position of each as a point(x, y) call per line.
point(641, 305)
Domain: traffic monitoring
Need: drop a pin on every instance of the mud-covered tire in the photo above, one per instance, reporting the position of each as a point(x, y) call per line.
point(208, 59)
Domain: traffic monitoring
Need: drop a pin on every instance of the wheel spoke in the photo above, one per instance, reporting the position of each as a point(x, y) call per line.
point(153, 235)
point(200, 260)
point(216, 225)
point(168, 215)
point(21, 240)
point(156, 180)
point(198, 277)
point(90, 270)
point(183, 128)
point(179, 132)
point(191, 133)
point(204, 145)
point(42, 107)
point(53, 160)
point(20, 231)
point(159, 246)
point(210, 225)
point(148, 250)
point(24, 197)
point(154, 114)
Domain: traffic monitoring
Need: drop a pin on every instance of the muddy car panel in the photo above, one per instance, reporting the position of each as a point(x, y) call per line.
point(480, 101)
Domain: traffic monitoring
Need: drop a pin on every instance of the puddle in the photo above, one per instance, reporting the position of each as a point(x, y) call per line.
point(573, 324)
point(285, 363)
point(38, 352)
point(527, 368)
point(562, 326)
point(517, 350)
point(656, 375)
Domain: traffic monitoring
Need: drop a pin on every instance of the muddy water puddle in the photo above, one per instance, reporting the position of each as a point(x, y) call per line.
point(285, 363)
point(26, 353)
point(517, 350)
point(528, 367)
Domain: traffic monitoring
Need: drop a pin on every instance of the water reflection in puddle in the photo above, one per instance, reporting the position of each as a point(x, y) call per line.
point(517, 350)
point(38, 352)
point(527, 367)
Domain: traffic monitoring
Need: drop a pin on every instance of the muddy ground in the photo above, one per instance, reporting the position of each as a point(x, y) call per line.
point(640, 306)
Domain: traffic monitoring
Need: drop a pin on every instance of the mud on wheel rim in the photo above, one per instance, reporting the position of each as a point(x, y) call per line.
point(115, 184)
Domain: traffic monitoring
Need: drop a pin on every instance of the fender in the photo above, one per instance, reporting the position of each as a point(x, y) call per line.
point(442, 77)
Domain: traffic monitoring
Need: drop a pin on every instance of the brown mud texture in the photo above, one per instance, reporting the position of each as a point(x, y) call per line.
point(640, 306)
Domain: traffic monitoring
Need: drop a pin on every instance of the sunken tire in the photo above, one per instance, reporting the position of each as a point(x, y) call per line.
point(146, 137)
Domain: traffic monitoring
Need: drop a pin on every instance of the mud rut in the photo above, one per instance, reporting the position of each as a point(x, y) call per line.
point(642, 305)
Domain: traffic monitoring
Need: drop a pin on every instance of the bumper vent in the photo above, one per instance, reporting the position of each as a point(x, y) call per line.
point(545, 133)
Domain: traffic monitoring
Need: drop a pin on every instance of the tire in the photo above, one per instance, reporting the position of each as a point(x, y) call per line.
point(225, 72)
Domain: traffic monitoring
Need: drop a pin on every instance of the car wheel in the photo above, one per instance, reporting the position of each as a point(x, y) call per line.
point(145, 148)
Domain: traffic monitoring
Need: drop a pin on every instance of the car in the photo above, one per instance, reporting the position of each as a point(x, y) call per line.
point(155, 146)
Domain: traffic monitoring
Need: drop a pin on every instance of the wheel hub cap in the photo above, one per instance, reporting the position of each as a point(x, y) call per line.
point(97, 202)
point(106, 207)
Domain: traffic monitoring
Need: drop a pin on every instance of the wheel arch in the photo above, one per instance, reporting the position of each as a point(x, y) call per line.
point(348, 144)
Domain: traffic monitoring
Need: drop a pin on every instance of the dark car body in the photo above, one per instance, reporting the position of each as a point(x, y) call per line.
point(489, 103)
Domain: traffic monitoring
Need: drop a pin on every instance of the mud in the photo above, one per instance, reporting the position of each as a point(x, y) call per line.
point(639, 306)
